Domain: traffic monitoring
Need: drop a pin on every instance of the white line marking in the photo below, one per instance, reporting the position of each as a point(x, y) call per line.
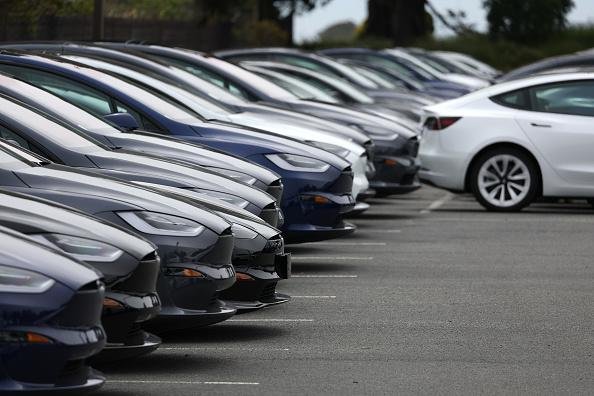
point(221, 349)
point(330, 258)
point(313, 296)
point(269, 320)
point(324, 276)
point(348, 244)
point(393, 231)
point(438, 203)
point(181, 382)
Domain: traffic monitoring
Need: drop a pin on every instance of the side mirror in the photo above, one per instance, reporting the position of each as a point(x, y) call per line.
point(125, 121)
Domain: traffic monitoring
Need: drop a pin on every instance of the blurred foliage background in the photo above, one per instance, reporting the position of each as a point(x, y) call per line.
point(519, 31)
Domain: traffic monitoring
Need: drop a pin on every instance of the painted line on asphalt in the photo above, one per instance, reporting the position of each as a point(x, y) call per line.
point(323, 276)
point(221, 349)
point(331, 258)
point(313, 297)
point(170, 382)
point(348, 244)
point(270, 320)
point(392, 231)
point(438, 203)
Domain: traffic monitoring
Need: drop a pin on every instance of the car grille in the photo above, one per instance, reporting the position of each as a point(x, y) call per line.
point(270, 214)
point(344, 184)
point(75, 372)
point(83, 309)
point(144, 278)
point(276, 190)
point(221, 252)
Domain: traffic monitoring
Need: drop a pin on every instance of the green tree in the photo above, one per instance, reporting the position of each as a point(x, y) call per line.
point(401, 21)
point(526, 20)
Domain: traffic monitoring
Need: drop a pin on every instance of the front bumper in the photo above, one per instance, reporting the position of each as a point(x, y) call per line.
point(396, 175)
point(57, 367)
point(256, 287)
point(301, 233)
point(321, 217)
point(175, 318)
point(140, 343)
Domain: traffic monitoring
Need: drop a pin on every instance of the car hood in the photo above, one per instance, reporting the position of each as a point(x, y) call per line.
point(230, 213)
point(173, 148)
point(268, 142)
point(295, 130)
point(114, 195)
point(22, 252)
point(177, 174)
point(35, 215)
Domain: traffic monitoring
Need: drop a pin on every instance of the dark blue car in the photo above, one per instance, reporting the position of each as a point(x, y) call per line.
point(318, 184)
point(50, 318)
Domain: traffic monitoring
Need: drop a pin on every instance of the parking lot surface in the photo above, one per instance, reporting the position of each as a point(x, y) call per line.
point(431, 295)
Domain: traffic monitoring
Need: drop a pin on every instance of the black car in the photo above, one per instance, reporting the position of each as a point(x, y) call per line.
point(50, 318)
point(195, 245)
point(129, 264)
point(258, 255)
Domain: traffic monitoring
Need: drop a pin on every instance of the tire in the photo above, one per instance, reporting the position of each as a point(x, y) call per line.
point(504, 179)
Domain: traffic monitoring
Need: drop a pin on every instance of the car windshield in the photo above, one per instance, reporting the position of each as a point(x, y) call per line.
point(220, 66)
point(53, 131)
point(298, 88)
point(202, 107)
point(63, 88)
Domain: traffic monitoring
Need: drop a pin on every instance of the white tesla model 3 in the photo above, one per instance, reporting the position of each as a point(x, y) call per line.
point(513, 142)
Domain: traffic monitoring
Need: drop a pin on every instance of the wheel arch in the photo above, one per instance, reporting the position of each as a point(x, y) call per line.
point(499, 145)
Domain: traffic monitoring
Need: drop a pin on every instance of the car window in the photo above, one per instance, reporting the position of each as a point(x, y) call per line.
point(515, 99)
point(78, 94)
point(573, 98)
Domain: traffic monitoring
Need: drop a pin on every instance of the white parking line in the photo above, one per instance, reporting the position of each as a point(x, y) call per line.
point(221, 349)
point(313, 296)
point(323, 276)
point(348, 244)
point(331, 258)
point(269, 320)
point(170, 382)
point(438, 203)
point(390, 231)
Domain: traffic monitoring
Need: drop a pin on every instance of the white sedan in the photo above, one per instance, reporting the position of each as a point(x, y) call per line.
point(513, 142)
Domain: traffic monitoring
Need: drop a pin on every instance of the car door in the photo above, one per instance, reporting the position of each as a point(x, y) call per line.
point(560, 124)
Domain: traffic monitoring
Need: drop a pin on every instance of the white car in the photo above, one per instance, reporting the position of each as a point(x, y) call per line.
point(512, 142)
point(464, 60)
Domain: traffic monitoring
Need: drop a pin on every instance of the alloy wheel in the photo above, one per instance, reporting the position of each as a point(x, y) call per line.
point(504, 180)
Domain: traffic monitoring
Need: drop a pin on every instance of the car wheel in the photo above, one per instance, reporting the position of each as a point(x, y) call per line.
point(504, 180)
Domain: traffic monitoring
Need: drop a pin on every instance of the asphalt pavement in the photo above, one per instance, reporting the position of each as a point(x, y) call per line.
point(432, 294)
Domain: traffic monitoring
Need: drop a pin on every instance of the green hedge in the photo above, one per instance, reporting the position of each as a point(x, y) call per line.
point(503, 55)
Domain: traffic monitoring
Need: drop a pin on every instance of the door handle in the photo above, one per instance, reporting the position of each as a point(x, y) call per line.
point(540, 125)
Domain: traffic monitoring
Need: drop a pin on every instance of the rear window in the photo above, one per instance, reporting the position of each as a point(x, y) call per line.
point(518, 99)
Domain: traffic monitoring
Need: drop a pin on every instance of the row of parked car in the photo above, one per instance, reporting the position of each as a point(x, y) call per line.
point(146, 189)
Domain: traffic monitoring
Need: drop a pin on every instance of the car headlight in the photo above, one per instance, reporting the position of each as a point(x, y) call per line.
point(242, 177)
point(298, 163)
point(242, 232)
point(81, 248)
point(16, 280)
point(161, 224)
point(334, 149)
point(231, 199)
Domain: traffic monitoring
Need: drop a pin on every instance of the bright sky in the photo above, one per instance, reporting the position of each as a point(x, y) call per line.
point(307, 26)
